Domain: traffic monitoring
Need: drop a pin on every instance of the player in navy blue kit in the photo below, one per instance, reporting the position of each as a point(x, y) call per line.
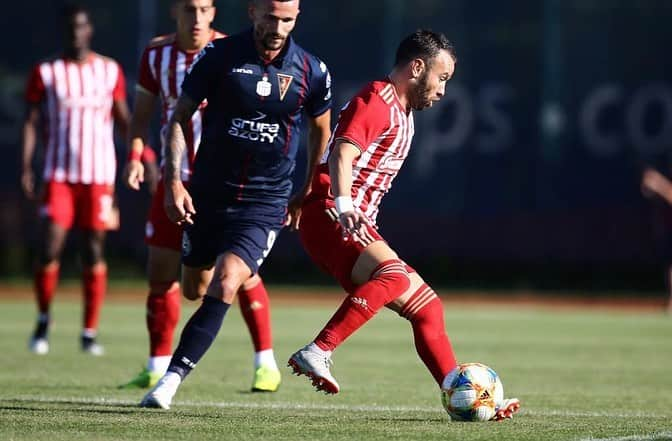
point(258, 85)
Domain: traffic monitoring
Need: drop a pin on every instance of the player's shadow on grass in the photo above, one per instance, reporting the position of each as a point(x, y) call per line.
point(71, 406)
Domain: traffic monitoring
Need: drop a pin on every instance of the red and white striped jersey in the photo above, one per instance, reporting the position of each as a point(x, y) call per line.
point(162, 70)
point(76, 99)
point(376, 122)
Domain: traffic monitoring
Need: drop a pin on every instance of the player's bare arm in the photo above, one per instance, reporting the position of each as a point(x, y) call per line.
point(655, 183)
point(340, 170)
point(29, 139)
point(319, 131)
point(177, 203)
point(134, 172)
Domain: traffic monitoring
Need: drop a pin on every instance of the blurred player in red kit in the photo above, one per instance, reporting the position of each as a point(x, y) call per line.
point(338, 222)
point(163, 67)
point(77, 97)
point(656, 184)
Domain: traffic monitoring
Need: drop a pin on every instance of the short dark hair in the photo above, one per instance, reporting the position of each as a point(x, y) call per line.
point(256, 2)
point(178, 1)
point(423, 44)
point(72, 9)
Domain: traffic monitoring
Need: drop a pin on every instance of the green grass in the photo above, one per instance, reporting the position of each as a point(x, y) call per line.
point(579, 374)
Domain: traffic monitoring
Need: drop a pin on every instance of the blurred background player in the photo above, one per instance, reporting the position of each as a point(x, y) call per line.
point(370, 143)
point(77, 97)
point(655, 184)
point(258, 85)
point(162, 69)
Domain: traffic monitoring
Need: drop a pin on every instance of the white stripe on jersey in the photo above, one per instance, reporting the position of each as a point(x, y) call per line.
point(75, 127)
point(151, 60)
point(88, 89)
point(61, 93)
point(98, 133)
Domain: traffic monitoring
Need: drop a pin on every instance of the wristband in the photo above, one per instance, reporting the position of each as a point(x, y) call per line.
point(148, 154)
point(343, 204)
point(135, 155)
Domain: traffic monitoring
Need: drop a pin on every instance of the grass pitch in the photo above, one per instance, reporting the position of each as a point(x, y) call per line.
point(599, 375)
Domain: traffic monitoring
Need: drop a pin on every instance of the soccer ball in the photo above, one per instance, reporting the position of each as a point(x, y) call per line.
point(471, 391)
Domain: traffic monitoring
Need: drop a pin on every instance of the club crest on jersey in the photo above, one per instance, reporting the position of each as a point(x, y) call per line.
point(284, 81)
point(264, 86)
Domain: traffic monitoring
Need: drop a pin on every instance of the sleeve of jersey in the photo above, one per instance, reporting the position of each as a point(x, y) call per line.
point(363, 120)
point(319, 100)
point(199, 81)
point(35, 87)
point(146, 79)
point(119, 92)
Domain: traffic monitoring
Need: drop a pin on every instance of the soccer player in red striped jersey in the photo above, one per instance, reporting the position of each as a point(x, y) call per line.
point(76, 96)
point(164, 64)
point(338, 223)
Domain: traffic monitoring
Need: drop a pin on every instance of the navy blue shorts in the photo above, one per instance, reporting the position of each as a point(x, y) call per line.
point(249, 235)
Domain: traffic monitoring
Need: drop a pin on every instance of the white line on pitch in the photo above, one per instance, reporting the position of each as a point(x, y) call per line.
point(284, 405)
point(653, 437)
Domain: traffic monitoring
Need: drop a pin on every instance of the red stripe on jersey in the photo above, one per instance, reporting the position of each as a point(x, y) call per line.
point(243, 176)
point(303, 90)
point(172, 79)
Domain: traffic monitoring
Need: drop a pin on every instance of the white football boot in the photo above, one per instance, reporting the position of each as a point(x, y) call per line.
point(39, 346)
point(314, 363)
point(162, 394)
point(506, 408)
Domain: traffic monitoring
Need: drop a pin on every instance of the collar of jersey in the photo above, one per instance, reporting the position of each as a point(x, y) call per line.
point(278, 61)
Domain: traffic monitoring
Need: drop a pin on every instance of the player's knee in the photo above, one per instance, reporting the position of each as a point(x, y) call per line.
point(224, 288)
point(193, 289)
point(252, 282)
point(393, 275)
point(47, 257)
point(92, 252)
point(162, 287)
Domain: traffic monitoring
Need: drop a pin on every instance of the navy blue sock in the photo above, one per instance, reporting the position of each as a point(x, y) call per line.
point(197, 335)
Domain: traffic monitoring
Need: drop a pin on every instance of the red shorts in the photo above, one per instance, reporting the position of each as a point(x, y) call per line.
point(86, 206)
point(322, 238)
point(159, 230)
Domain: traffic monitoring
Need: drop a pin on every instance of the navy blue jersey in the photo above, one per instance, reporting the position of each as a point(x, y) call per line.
point(251, 125)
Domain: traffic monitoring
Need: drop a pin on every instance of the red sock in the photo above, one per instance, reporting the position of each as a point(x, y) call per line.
point(46, 279)
point(94, 280)
point(255, 307)
point(425, 312)
point(388, 281)
point(163, 313)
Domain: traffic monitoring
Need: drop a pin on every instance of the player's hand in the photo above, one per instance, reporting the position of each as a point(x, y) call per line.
point(354, 224)
point(294, 212)
point(134, 174)
point(653, 182)
point(178, 204)
point(28, 184)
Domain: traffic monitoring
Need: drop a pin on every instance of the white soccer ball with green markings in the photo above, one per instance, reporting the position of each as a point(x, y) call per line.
point(471, 391)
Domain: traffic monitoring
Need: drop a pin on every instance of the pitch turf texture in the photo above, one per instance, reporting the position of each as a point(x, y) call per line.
point(580, 374)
